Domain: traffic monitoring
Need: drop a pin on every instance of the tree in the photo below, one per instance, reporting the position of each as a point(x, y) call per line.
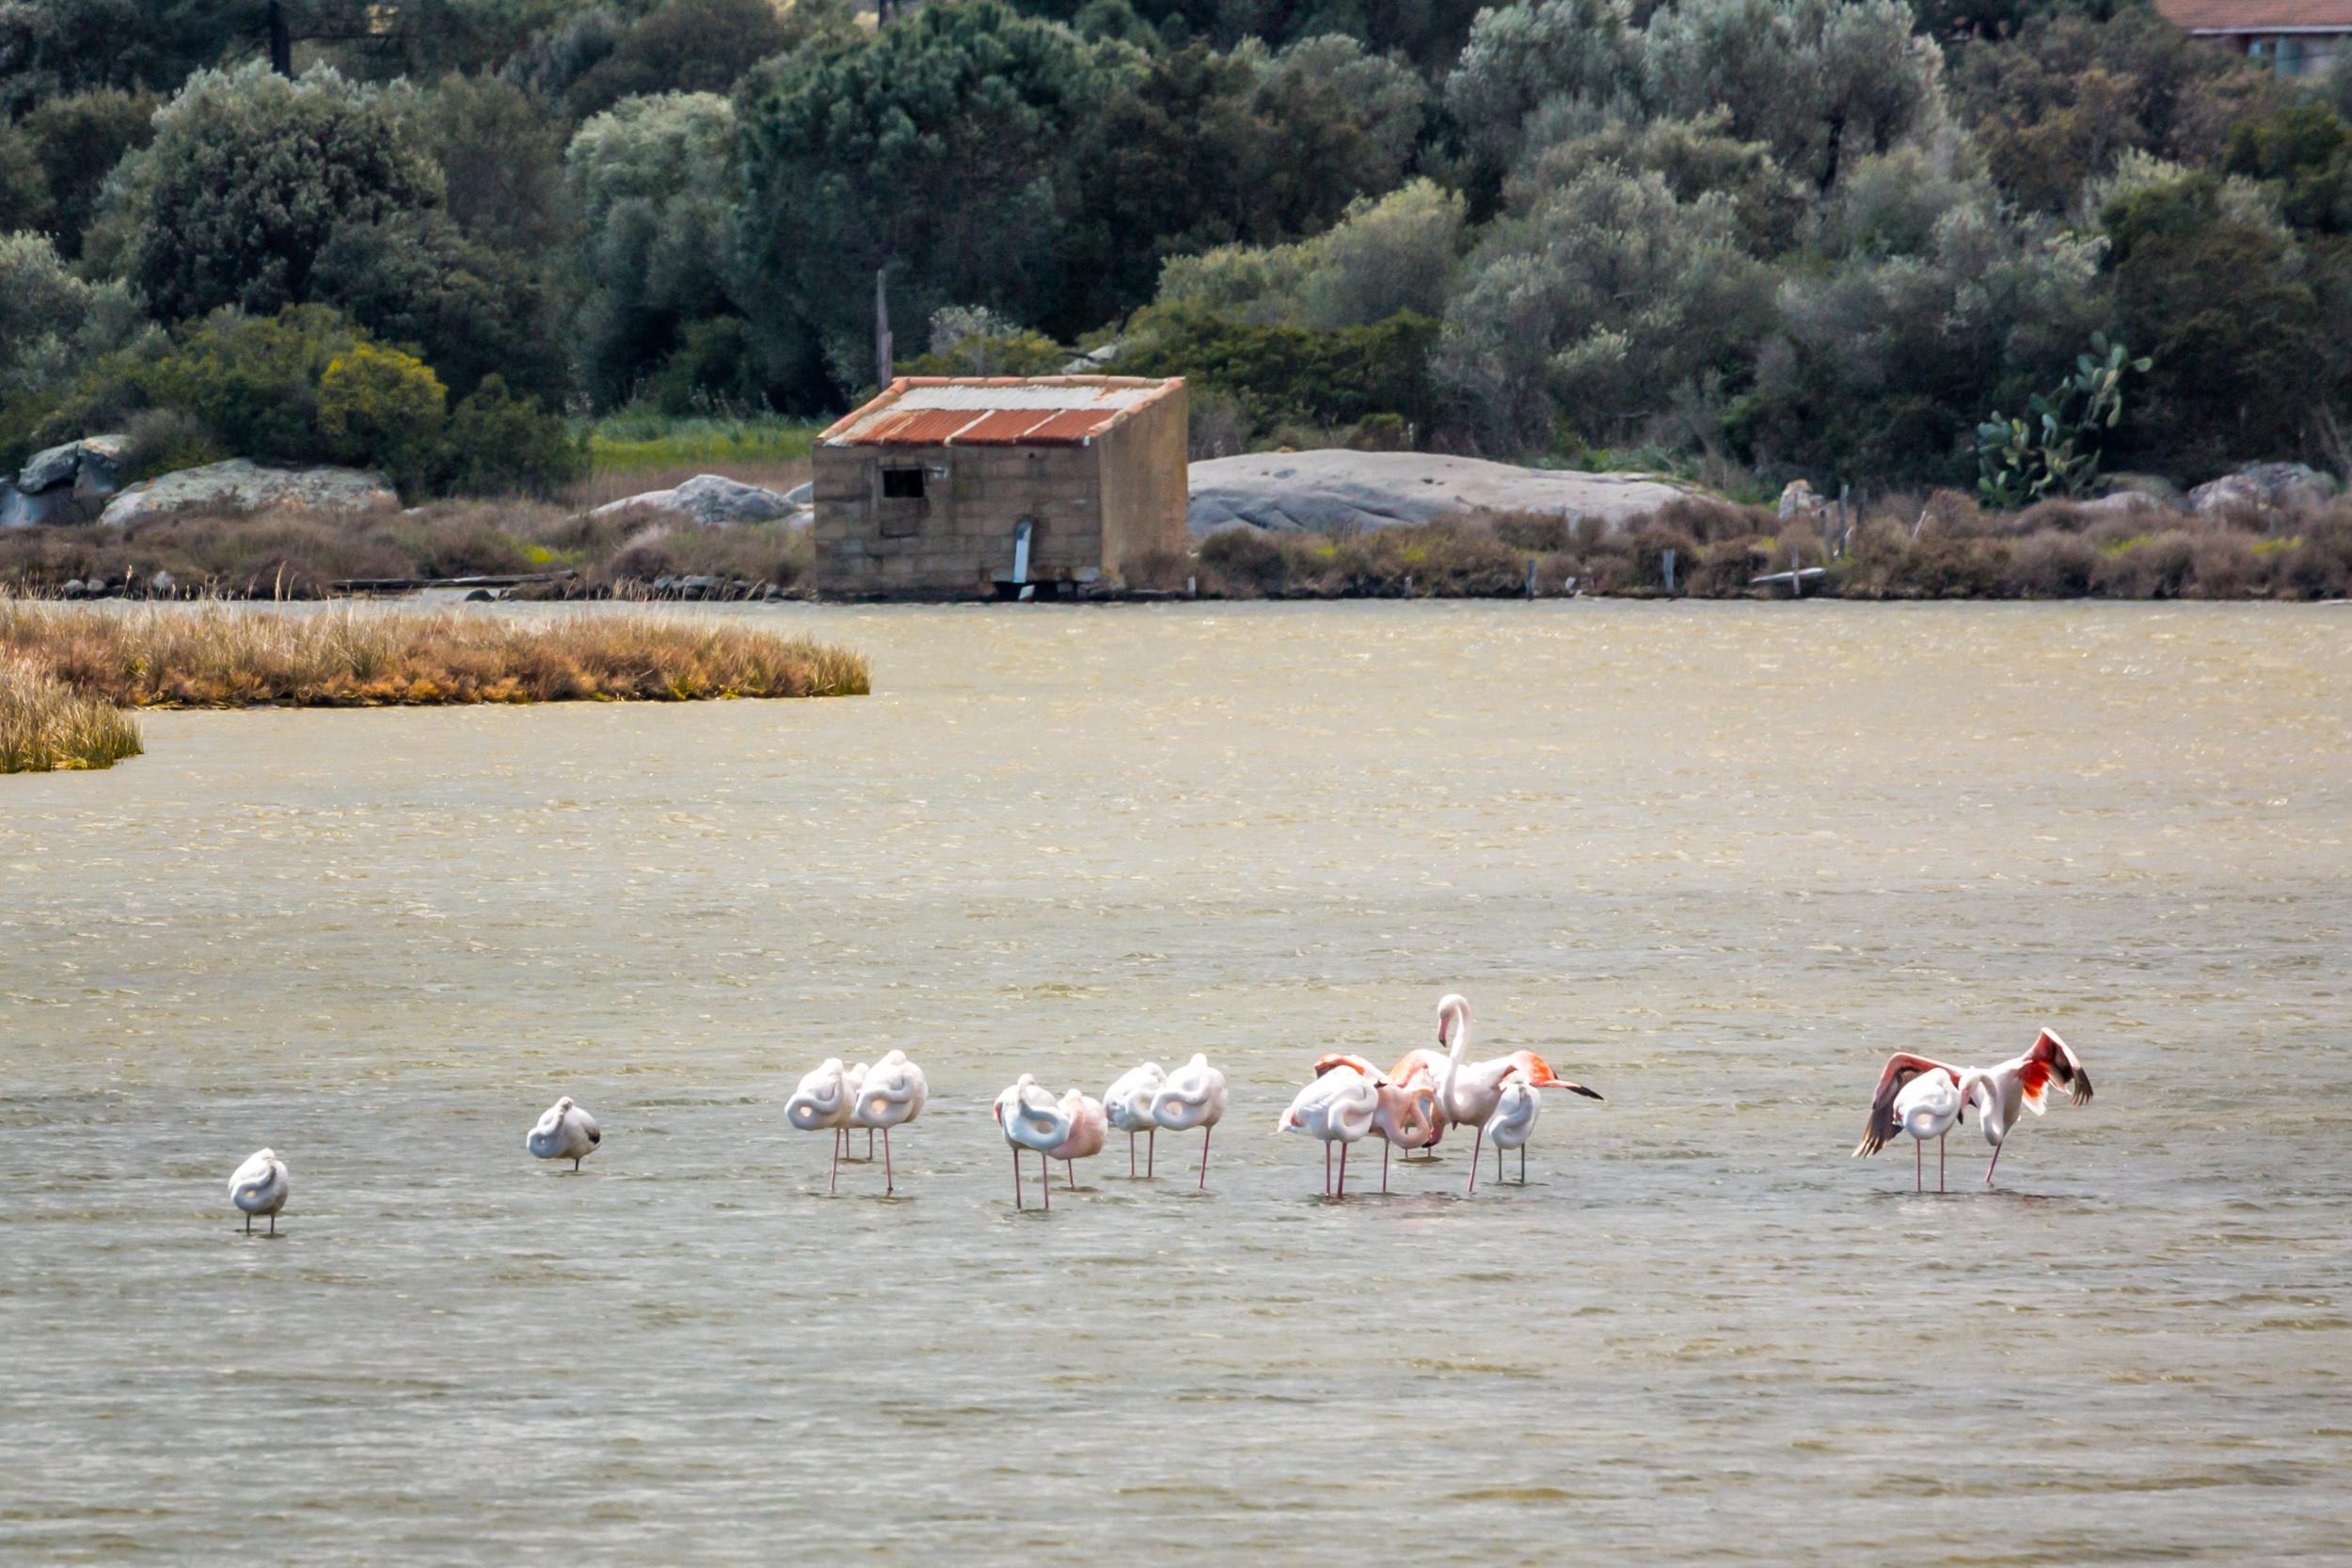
point(1384, 258)
point(685, 46)
point(2066, 98)
point(942, 150)
point(501, 157)
point(1817, 81)
point(79, 139)
point(1535, 53)
point(470, 310)
point(52, 322)
point(1594, 308)
point(251, 175)
point(23, 187)
point(2304, 154)
point(653, 183)
point(382, 408)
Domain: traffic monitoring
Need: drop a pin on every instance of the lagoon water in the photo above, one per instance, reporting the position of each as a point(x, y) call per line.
point(1714, 860)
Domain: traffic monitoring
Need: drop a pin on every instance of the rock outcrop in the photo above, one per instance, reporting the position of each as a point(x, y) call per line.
point(247, 485)
point(1337, 490)
point(63, 484)
point(2290, 487)
point(710, 499)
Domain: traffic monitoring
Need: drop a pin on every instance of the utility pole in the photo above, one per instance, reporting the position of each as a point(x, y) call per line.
point(883, 360)
point(280, 39)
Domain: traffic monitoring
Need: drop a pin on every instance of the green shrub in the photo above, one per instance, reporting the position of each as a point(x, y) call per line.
point(499, 444)
point(381, 408)
point(1339, 376)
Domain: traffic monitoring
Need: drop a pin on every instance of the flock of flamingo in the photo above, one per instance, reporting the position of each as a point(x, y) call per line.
point(1347, 1099)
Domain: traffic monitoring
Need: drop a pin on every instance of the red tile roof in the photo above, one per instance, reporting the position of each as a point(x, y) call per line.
point(2258, 16)
point(1045, 410)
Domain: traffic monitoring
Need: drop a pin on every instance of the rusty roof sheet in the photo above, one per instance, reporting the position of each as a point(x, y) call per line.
point(1056, 410)
point(2259, 16)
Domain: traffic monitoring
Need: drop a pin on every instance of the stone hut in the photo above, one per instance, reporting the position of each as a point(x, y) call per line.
point(1000, 486)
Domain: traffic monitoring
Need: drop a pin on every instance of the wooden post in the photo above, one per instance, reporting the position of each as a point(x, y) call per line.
point(1530, 577)
point(1796, 574)
point(886, 362)
point(1408, 585)
point(1667, 560)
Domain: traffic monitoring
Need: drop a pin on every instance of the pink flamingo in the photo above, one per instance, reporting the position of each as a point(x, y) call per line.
point(1031, 1117)
point(1469, 1092)
point(1088, 1128)
point(1999, 1093)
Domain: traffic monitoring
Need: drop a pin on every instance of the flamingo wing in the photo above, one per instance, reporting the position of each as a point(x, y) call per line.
point(1900, 1069)
point(2051, 1057)
point(1341, 1058)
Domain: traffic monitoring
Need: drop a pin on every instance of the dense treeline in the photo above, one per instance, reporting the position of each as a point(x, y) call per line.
point(1840, 238)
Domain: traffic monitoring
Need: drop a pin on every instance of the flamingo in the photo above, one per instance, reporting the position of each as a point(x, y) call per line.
point(854, 1085)
point(259, 1187)
point(1338, 1107)
point(1128, 1104)
point(1513, 1123)
point(1193, 1095)
point(1087, 1127)
point(1031, 1117)
point(891, 1095)
point(564, 1131)
point(1468, 1093)
point(1408, 1115)
point(822, 1102)
point(1923, 1098)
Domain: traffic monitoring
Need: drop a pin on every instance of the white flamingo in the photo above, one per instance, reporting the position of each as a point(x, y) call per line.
point(1031, 1117)
point(1514, 1121)
point(1127, 1103)
point(1920, 1088)
point(1469, 1092)
point(259, 1187)
point(564, 1131)
point(854, 1085)
point(822, 1103)
point(891, 1095)
point(1337, 1106)
point(1088, 1126)
point(1193, 1095)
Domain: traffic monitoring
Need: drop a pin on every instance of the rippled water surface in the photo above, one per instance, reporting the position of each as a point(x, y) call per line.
point(1714, 860)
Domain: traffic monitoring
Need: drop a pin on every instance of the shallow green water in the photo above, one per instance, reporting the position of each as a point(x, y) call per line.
point(1714, 860)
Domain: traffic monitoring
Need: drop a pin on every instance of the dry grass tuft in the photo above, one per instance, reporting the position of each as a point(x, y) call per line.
point(214, 655)
point(45, 725)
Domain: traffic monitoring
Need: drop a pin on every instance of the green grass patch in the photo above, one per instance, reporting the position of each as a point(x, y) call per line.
point(634, 442)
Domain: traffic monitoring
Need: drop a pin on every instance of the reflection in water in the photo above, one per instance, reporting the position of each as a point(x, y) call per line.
point(1715, 860)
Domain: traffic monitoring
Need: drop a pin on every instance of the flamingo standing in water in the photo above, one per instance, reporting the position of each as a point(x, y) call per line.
point(1193, 1095)
point(1999, 1093)
point(1031, 1117)
point(566, 1130)
point(822, 1103)
point(1514, 1122)
point(891, 1095)
point(854, 1085)
point(1128, 1104)
point(1088, 1128)
point(1405, 1115)
point(1336, 1107)
point(261, 1186)
point(1469, 1092)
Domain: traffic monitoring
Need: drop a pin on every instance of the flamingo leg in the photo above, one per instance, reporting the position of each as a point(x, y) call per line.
point(1939, 1164)
point(833, 1183)
point(1327, 1171)
point(1498, 1161)
point(273, 1223)
point(1523, 1165)
point(1919, 1154)
point(1045, 1180)
point(870, 1142)
point(1131, 1156)
point(1343, 1171)
point(1069, 1173)
point(249, 1225)
point(1203, 1185)
point(890, 1178)
point(1016, 1176)
point(1477, 1144)
point(1151, 1152)
point(1990, 1163)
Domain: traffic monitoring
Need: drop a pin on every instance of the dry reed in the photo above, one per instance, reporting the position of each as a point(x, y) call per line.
point(46, 724)
point(216, 655)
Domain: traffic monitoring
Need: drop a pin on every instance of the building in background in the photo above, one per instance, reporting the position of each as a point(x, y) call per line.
point(1000, 486)
point(2295, 38)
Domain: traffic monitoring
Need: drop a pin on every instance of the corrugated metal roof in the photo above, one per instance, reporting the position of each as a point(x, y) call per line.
point(2258, 16)
point(1061, 410)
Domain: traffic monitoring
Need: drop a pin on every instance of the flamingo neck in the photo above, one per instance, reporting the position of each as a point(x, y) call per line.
point(1459, 1041)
